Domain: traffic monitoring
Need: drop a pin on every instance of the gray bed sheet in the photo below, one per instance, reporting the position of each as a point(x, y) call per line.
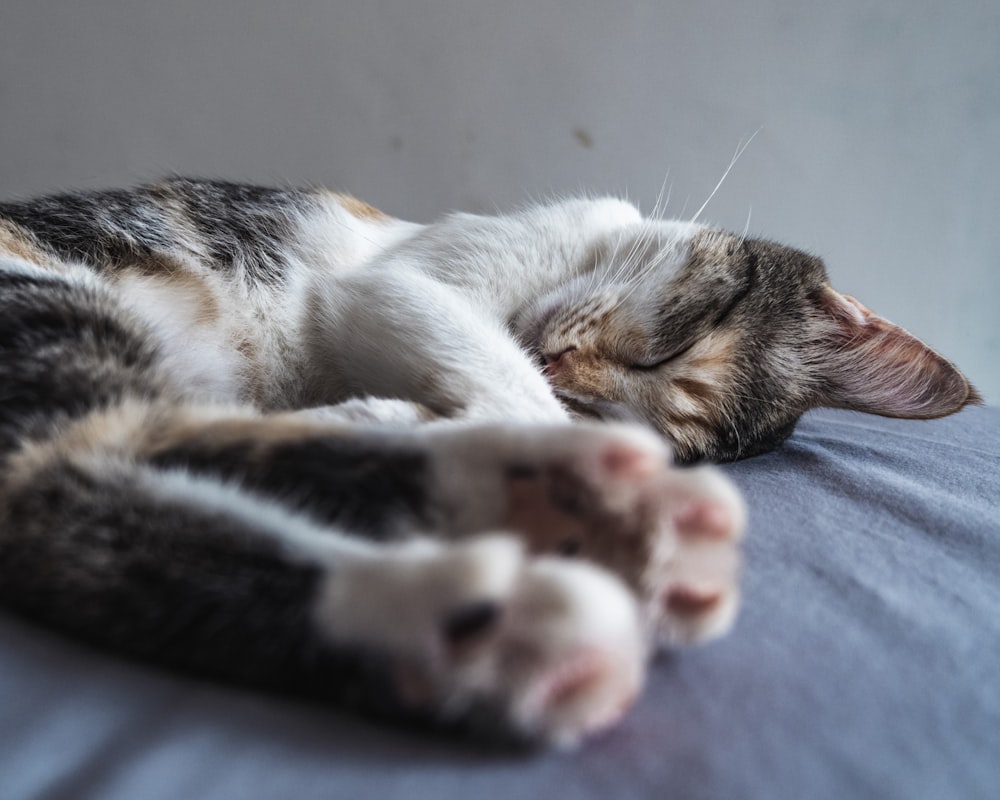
point(866, 663)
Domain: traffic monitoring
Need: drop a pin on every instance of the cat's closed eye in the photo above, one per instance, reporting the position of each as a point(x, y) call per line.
point(654, 364)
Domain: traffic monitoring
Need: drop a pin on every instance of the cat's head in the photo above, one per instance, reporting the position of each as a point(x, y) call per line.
point(723, 342)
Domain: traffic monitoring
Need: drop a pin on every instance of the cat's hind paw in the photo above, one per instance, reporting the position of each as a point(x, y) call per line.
point(609, 494)
point(697, 593)
point(536, 648)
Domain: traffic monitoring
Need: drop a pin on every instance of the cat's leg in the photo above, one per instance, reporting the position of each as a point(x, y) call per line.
point(366, 411)
point(131, 518)
point(606, 493)
point(397, 333)
point(189, 570)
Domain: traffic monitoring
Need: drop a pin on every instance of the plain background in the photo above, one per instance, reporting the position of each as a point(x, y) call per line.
point(879, 123)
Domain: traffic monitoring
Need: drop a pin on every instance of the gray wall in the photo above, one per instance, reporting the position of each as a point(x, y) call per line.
point(880, 122)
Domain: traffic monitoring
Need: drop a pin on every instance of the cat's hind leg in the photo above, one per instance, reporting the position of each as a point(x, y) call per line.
point(245, 548)
point(604, 493)
point(191, 570)
point(608, 494)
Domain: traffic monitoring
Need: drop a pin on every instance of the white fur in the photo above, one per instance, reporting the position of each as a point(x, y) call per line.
point(560, 621)
point(203, 359)
point(437, 314)
point(398, 599)
point(303, 539)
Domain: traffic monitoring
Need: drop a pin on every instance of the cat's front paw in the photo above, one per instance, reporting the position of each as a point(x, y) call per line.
point(608, 494)
point(538, 648)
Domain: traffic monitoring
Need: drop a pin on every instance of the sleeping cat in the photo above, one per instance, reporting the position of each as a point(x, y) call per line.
point(279, 438)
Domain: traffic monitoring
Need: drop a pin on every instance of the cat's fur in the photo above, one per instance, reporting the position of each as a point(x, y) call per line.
point(281, 438)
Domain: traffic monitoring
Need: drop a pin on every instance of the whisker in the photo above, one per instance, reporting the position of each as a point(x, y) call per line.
point(746, 228)
point(657, 211)
point(740, 149)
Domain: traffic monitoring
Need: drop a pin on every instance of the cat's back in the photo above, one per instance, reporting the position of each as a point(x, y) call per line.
point(255, 237)
point(218, 273)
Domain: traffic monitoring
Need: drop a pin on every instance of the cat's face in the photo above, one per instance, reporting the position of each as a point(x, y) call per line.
point(722, 343)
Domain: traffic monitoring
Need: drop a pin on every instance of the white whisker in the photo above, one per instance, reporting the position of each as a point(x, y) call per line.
point(740, 148)
point(746, 228)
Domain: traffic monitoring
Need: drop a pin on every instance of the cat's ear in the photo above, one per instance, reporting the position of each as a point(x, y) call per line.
point(875, 366)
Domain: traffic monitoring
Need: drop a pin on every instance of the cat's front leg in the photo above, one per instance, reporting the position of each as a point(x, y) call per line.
point(393, 332)
point(371, 411)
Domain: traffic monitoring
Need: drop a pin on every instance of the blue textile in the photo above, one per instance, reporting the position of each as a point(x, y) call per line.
point(865, 664)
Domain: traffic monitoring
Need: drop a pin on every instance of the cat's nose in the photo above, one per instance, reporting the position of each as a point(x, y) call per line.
point(556, 361)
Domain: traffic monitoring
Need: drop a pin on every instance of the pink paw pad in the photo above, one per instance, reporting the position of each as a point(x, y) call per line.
point(623, 461)
point(688, 602)
point(705, 519)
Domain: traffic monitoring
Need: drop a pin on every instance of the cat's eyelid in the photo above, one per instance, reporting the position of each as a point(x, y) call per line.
point(720, 318)
point(650, 367)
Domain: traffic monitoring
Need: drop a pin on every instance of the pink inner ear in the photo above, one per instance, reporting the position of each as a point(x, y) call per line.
point(878, 367)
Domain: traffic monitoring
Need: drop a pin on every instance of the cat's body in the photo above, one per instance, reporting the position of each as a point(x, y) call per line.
point(249, 432)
